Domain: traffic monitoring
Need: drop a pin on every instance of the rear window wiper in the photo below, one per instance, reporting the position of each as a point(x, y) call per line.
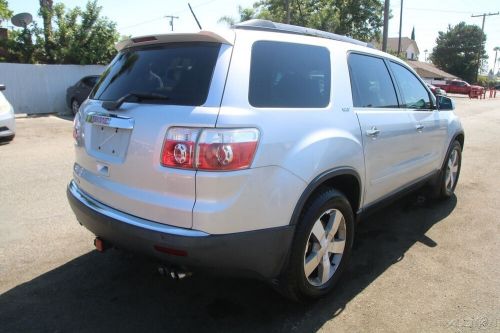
point(140, 96)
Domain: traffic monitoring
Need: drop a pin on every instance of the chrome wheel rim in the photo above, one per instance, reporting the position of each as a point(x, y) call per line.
point(75, 107)
point(325, 247)
point(452, 170)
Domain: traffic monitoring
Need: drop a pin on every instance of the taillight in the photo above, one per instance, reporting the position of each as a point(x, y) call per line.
point(210, 149)
point(226, 149)
point(77, 129)
point(178, 148)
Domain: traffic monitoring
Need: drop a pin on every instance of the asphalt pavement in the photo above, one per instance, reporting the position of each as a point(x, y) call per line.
point(417, 266)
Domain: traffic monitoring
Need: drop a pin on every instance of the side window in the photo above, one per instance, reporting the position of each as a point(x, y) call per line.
point(289, 75)
point(371, 83)
point(414, 92)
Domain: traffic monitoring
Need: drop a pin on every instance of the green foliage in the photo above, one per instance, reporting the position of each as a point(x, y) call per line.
point(80, 36)
point(456, 50)
point(360, 19)
point(485, 81)
point(245, 15)
point(5, 12)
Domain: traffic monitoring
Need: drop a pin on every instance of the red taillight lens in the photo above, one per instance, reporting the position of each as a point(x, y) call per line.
point(179, 147)
point(226, 149)
point(216, 149)
point(77, 128)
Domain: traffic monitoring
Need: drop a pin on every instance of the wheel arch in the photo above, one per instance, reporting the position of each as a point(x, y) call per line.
point(345, 180)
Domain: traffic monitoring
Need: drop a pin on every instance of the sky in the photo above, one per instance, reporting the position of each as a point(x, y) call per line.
point(427, 16)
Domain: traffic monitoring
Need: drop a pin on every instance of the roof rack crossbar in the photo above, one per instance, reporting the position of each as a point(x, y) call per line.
point(266, 25)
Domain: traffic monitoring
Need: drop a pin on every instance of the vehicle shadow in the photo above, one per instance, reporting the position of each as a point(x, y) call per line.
point(119, 292)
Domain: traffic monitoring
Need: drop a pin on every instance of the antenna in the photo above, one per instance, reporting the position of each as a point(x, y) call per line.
point(197, 22)
point(22, 20)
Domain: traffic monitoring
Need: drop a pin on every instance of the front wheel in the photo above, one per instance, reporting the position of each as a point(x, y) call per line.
point(321, 247)
point(450, 171)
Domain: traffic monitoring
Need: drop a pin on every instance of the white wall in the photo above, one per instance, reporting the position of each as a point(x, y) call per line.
point(411, 51)
point(41, 88)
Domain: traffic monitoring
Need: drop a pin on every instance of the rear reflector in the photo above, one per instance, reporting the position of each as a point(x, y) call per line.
point(168, 250)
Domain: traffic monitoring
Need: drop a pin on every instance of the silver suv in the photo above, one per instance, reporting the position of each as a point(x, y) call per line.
point(254, 151)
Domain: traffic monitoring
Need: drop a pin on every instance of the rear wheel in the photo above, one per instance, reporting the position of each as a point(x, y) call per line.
point(321, 247)
point(75, 106)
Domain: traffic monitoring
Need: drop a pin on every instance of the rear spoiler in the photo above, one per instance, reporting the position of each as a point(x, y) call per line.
point(227, 37)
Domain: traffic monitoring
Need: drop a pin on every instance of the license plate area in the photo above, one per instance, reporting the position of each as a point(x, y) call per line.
point(110, 137)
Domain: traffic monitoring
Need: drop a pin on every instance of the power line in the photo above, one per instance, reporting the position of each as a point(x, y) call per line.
point(162, 17)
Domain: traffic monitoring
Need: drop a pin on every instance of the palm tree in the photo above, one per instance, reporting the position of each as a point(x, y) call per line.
point(496, 49)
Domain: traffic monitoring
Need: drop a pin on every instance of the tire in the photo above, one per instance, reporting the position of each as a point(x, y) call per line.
point(75, 106)
point(312, 270)
point(450, 172)
point(6, 139)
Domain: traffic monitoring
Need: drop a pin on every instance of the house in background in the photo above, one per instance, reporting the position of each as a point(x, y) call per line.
point(427, 71)
point(430, 73)
point(408, 47)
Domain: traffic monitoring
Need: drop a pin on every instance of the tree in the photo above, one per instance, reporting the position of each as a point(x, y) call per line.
point(73, 36)
point(496, 49)
point(456, 50)
point(5, 12)
point(361, 19)
point(245, 15)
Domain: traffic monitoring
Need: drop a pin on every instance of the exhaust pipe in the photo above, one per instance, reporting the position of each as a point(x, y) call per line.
point(174, 272)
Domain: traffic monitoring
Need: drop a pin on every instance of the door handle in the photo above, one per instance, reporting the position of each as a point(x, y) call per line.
point(419, 127)
point(373, 132)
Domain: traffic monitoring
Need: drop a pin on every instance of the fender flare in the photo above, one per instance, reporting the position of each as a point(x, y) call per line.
point(317, 182)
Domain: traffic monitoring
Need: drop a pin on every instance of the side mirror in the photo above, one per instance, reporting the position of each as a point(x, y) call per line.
point(444, 103)
point(2, 87)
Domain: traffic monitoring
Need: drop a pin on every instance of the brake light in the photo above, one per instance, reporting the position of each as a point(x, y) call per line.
point(178, 148)
point(77, 129)
point(226, 149)
point(215, 149)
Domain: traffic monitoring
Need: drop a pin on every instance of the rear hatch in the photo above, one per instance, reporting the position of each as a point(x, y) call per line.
point(162, 81)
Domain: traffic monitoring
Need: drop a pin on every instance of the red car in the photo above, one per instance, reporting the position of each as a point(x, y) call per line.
point(460, 87)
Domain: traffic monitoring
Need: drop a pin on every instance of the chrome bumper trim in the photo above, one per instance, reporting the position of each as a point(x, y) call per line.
point(129, 219)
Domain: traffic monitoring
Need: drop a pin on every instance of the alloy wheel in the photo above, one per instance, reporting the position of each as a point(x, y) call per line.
point(325, 247)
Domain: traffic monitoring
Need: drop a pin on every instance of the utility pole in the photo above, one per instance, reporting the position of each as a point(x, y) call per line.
point(386, 25)
point(172, 20)
point(287, 5)
point(481, 44)
point(400, 25)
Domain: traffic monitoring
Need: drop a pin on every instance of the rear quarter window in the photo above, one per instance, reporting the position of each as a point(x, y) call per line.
point(289, 75)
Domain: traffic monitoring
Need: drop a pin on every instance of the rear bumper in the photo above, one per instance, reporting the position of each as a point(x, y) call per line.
point(259, 253)
point(7, 125)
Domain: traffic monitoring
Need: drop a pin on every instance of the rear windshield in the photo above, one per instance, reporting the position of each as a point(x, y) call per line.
point(179, 71)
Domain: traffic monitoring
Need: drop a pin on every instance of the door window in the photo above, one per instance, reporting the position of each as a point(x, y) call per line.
point(371, 83)
point(414, 93)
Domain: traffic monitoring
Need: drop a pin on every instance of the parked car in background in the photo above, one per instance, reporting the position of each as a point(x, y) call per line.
point(460, 87)
point(77, 93)
point(225, 152)
point(436, 90)
point(7, 118)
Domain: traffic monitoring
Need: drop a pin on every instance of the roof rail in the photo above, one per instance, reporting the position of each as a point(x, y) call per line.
point(266, 25)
